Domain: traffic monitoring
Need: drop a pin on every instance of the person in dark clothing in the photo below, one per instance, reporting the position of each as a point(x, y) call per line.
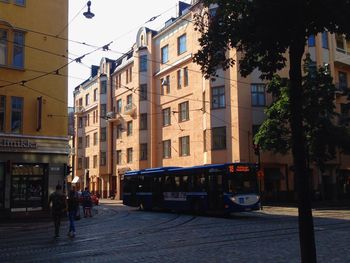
point(87, 202)
point(59, 205)
point(73, 206)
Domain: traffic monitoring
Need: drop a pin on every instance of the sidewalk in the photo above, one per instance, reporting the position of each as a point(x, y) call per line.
point(110, 201)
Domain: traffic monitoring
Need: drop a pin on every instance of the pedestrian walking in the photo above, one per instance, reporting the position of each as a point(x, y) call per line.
point(59, 205)
point(87, 203)
point(73, 206)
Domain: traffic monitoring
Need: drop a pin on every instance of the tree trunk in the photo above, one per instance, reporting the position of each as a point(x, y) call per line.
point(302, 175)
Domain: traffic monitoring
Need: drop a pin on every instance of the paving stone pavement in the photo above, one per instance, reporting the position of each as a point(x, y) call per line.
point(122, 234)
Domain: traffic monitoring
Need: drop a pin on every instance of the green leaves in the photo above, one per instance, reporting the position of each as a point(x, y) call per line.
point(322, 134)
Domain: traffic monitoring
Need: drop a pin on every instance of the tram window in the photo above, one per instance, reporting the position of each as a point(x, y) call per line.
point(169, 183)
point(177, 183)
point(184, 183)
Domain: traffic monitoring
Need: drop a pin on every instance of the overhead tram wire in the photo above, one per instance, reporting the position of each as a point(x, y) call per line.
point(78, 60)
point(71, 21)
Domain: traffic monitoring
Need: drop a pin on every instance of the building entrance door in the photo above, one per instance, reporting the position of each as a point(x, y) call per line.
point(27, 187)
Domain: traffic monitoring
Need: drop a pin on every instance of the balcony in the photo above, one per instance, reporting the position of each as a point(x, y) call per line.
point(341, 89)
point(342, 51)
point(113, 117)
point(130, 109)
point(79, 110)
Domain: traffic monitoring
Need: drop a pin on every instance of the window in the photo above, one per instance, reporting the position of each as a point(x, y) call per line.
point(87, 120)
point(119, 106)
point(204, 140)
point(93, 116)
point(181, 44)
point(311, 41)
point(143, 121)
point(103, 158)
point(164, 54)
point(2, 113)
point(130, 74)
point(87, 99)
point(118, 81)
point(95, 94)
point(129, 99)
point(129, 155)
point(179, 79)
point(218, 138)
point(339, 40)
point(143, 92)
point(258, 94)
point(184, 145)
point(129, 128)
point(218, 97)
point(167, 79)
point(186, 76)
point(80, 142)
point(343, 80)
point(103, 134)
point(143, 151)
point(18, 49)
point(16, 114)
point(80, 163)
point(166, 149)
point(103, 110)
point(166, 117)
point(87, 141)
point(20, 2)
point(95, 138)
point(87, 162)
point(127, 76)
point(103, 86)
point(80, 122)
point(119, 131)
point(325, 39)
point(96, 116)
point(119, 157)
point(3, 47)
point(143, 63)
point(94, 165)
point(183, 111)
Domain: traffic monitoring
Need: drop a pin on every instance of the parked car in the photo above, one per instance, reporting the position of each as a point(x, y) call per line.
point(94, 199)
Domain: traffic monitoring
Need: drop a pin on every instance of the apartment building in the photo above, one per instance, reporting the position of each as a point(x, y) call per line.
point(33, 103)
point(92, 159)
point(163, 112)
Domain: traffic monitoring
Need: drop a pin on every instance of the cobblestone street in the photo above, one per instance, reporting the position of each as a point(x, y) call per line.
point(121, 234)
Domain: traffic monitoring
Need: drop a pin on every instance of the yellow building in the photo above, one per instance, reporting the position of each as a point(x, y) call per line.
point(33, 102)
point(161, 111)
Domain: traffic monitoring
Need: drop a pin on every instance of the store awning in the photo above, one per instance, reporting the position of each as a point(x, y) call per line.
point(75, 179)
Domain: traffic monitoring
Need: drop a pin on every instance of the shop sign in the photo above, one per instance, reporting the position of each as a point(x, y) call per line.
point(17, 144)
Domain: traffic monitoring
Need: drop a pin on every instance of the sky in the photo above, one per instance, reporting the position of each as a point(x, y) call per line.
point(114, 20)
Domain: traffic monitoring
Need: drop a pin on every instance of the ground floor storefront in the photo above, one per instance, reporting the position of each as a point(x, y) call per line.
point(277, 183)
point(29, 174)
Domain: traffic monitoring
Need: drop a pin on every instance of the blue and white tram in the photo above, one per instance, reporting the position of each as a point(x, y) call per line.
point(223, 188)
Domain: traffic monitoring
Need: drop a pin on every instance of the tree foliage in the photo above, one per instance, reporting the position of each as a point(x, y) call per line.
point(323, 135)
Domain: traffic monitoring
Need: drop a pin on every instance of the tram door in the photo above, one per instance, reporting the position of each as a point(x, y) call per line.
point(215, 191)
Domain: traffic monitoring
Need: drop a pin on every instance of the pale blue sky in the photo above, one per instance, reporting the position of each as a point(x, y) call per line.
point(114, 20)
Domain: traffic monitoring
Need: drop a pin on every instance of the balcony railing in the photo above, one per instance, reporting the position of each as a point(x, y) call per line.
point(79, 109)
point(341, 89)
point(130, 109)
